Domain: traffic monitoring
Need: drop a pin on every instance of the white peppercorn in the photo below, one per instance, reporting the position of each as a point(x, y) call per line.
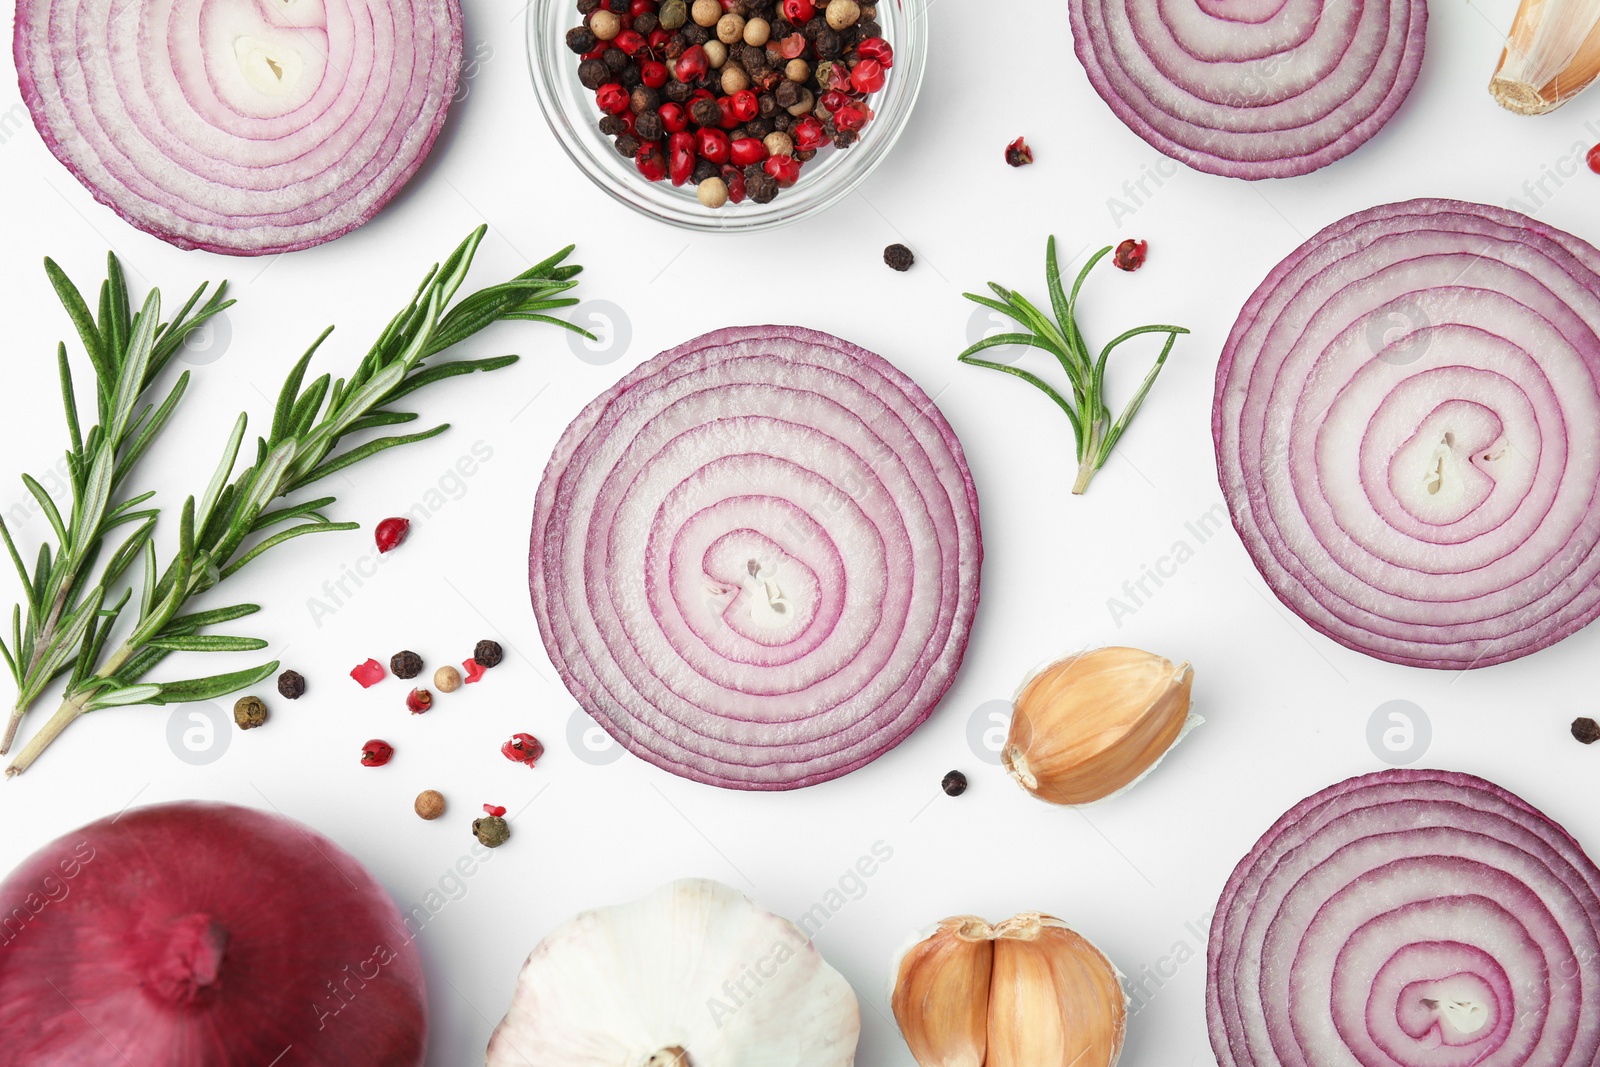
point(713, 192)
point(757, 32)
point(706, 12)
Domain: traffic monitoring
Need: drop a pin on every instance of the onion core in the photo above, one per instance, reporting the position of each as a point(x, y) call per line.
point(755, 559)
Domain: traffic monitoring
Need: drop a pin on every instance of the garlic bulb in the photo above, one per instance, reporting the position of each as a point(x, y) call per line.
point(693, 975)
point(1027, 992)
point(1096, 722)
point(1552, 54)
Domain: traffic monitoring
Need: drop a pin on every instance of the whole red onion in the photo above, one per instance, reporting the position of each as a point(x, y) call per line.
point(188, 934)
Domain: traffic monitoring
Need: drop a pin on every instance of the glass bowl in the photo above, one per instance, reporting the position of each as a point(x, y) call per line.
point(824, 181)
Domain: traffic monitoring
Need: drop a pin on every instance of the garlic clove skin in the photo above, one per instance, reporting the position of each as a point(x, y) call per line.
point(941, 993)
point(1551, 55)
point(693, 975)
point(1094, 723)
point(1055, 999)
point(1026, 992)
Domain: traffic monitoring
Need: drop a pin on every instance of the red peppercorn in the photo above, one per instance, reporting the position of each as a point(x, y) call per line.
point(798, 11)
point(785, 170)
point(474, 670)
point(729, 119)
point(674, 117)
point(867, 77)
point(730, 5)
point(419, 700)
point(368, 674)
point(849, 118)
point(496, 810)
point(523, 748)
point(692, 65)
point(597, 51)
point(1130, 254)
point(659, 39)
point(653, 73)
point(1594, 159)
point(713, 145)
point(808, 134)
point(651, 162)
point(1018, 154)
point(745, 105)
point(641, 7)
point(835, 100)
point(376, 753)
point(630, 41)
point(733, 177)
point(611, 98)
point(747, 150)
point(876, 48)
point(391, 532)
point(793, 46)
point(680, 157)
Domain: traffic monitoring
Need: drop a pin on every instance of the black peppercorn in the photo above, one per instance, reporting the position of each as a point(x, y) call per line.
point(616, 60)
point(628, 145)
point(767, 103)
point(782, 28)
point(647, 23)
point(829, 44)
point(783, 122)
point(955, 783)
point(487, 653)
point(581, 39)
point(759, 127)
point(814, 27)
point(900, 258)
point(629, 76)
point(705, 112)
point(586, 7)
point(648, 125)
point(761, 188)
point(1586, 730)
point(678, 91)
point(291, 685)
point(845, 138)
point(593, 73)
point(694, 33)
point(706, 169)
point(869, 28)
point(620, 7)
point(613, 126)
point(406, 664)
point(643, 99)
point(788, 94)
point(753, 59)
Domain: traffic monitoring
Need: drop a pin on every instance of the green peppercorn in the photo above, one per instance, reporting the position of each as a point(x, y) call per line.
point(673, 14)
point(491, 831)
point(249, 712)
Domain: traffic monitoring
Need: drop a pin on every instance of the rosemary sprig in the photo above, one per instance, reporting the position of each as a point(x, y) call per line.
point(1091, 420)
point(232, 523)
point(128, 351)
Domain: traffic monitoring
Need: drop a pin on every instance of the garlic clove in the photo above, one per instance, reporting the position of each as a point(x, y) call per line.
point(1054, 998)
point(941, 994)
point(1094, 723)
point(1551, 54)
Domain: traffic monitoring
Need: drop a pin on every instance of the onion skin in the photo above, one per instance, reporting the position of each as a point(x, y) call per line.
point(204, 934)
point(1251, 88)
point(1403, 422)
point(166, 127)
point(1377, 915)
point(755, 559)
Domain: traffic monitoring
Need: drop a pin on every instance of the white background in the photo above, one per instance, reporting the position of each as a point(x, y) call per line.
point(1288, 710)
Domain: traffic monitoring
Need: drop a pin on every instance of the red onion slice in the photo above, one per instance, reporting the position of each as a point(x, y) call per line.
point(1404, 420)
point(239, 126)
point(1252, 88)
point(755, 559)
point(1408, 919)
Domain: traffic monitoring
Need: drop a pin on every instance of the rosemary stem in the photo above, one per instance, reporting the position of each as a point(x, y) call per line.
point(25, 697)
point(71, 708)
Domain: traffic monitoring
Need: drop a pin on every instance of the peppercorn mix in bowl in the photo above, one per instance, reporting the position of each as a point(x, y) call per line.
point(737, 115)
